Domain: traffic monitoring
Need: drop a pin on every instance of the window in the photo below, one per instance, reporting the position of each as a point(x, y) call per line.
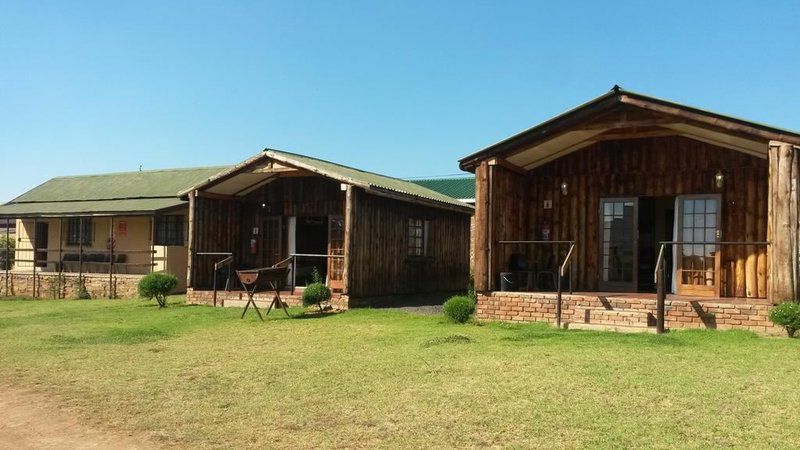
point(79, 231)
point(169, 230)
point(417, 237)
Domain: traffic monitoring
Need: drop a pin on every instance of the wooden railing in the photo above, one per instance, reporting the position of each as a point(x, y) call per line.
point(660, 272)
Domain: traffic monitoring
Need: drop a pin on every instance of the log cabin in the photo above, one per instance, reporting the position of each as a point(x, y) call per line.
point(366, 235)
point(597, 197)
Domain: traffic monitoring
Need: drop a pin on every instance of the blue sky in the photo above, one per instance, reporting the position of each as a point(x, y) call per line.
point(403, 88)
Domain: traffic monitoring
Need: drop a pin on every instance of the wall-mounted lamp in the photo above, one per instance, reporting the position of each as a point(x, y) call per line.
point(564, 188)
point(719, 179)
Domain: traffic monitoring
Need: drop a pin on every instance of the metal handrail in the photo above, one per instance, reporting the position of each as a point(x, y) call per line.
point(661, 293)
point(225, 262)
point(562, 268)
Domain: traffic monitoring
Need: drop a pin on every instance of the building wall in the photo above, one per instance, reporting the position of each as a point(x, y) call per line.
point(660, 166)
point(132, 237)
point(379, 263)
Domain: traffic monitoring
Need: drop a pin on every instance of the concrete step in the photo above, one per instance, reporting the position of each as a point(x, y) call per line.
point(614, 328)
point(603, 316)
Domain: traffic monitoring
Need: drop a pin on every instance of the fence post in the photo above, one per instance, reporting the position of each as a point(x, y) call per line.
point(35, 225)
point(111, 293)
point(8, 246)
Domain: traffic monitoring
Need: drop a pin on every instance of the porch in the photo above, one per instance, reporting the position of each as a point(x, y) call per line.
point(631, 312)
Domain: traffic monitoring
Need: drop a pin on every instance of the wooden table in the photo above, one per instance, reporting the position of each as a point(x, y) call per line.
point(262, 280)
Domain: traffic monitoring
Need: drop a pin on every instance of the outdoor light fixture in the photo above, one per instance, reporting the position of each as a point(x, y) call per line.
point(719, 179)
point(563, 188)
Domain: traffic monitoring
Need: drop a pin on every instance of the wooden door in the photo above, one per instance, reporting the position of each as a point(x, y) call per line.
point(271, 247)
point(698, 267)
point(336, 248)
point(618, 244)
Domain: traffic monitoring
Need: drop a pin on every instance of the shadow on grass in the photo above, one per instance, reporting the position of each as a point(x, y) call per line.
point(122, 336)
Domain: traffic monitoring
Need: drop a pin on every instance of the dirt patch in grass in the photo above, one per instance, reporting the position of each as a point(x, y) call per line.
point(29, 420)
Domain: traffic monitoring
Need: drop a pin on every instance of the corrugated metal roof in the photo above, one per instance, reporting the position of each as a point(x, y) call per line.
point(89, 207)
point(130, 192)
point(363, 177)
point(343, 174)
point(461, 187)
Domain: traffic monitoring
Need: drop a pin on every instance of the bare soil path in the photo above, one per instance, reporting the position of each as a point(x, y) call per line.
point(29, 420)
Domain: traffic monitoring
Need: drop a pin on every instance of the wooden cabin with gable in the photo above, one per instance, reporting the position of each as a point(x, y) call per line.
point(366, 235)
point(628, 181)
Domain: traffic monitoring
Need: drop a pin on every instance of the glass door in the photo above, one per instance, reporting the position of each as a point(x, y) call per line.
point(618, 244)
point(336, 248)
point(698, 265)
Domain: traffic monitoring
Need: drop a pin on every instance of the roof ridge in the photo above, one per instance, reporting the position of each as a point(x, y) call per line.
point(336, 164)
point(176, 169)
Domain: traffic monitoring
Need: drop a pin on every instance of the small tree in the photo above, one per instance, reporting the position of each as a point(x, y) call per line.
point(786, 315)
point(316, 292)
point(7, 252)
point(157, 286)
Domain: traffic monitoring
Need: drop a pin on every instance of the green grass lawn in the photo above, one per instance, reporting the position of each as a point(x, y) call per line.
point(199, 376)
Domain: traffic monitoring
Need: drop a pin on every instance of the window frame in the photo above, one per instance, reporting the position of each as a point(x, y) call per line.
point(74, 230)
point(168, 230)
point(417, 231)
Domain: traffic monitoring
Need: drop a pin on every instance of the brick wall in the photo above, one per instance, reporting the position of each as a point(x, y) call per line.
point(51, 285)
point(263, 299)
point(683, 313)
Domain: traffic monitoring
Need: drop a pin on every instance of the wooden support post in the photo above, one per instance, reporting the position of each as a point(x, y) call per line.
point(782, 224)
point(35, 225)
point(80, 254)
point(60, 256)
point(111, 293)
point(349, 223)
point(7, 261)
point(191, 243)
point(481, 230)
point(152, 245)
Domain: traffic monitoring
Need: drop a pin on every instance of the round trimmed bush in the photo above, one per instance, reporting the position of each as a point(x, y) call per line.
point(316, 293)
point(458, 308)
point(786, 315)
point(157, 286)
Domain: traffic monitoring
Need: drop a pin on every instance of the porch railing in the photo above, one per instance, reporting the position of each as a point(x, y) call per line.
point(562, 267)
point(660, 272)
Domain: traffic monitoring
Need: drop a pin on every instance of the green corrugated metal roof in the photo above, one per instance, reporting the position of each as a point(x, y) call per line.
point(130, 192)
point(363, 177)
point(343, 174)
point(460, 187)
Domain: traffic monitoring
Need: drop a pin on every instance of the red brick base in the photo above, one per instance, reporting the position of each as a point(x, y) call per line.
point(750, 314)
point(239, 298)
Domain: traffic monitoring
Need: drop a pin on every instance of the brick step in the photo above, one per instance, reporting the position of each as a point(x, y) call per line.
point(603, 316)
point(605, 327)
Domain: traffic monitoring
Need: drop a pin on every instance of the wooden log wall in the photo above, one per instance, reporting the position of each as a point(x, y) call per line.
point(378, 261)
point(215, 228)
point(783, 227)
point(652, 167)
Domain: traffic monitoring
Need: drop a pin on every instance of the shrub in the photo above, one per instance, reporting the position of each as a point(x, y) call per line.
point(157, 286)
point(83, 293)
point(458, 308)
point(316, 293)
point(7, 248)
point(786, 315)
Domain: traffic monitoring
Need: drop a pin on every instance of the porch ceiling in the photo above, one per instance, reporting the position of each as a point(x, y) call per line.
point(621, 115)
point(574, 140)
